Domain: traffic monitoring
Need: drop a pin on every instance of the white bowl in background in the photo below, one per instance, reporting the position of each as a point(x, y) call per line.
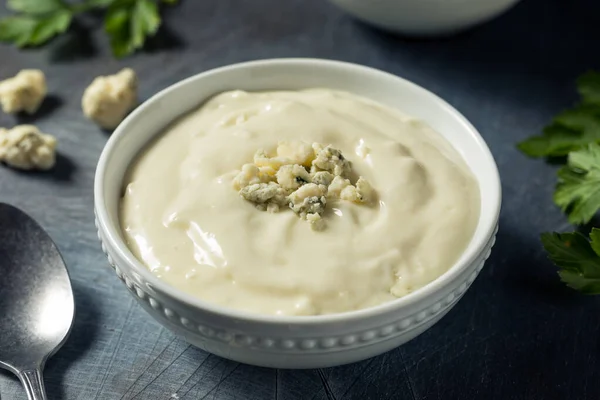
point(425, 17)
point(306, 341)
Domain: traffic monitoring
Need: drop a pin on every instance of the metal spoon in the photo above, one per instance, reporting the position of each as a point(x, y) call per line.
point(36, 299)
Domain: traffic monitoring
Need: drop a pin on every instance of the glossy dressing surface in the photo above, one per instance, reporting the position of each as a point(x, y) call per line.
point(182, 218)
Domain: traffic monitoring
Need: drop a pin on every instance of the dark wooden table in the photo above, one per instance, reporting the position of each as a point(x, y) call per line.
point(517, 334)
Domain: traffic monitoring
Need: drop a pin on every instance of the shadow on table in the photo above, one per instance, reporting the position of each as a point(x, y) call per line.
point(521, 266)
point(81, 337)
point(62, 170)
point(165, 40)
point(78, 43)
point(50, 104)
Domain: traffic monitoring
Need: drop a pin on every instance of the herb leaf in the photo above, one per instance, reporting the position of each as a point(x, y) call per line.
point(17, 30)
point(145, 21)
point(33, 31)
point(555, 141)
point(577, 258)
point(578, 189)
point(49, 27)
point(576, 133)
point(36, 6)
point(584, 118)
point(116, 25)
point(129, 23)
point(572, 129)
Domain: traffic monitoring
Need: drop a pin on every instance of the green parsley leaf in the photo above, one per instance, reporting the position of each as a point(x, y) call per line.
point(576, 133)
point(31, 31)
point(49, 27)
point(130, 23)
point(588, 86)
point(555, 141)
point(36, 6)
point(116, 25)
point(145, 21)
point(585, 118)
point(577, 258)
point(17, 30)
point(570, 130)
point(595, 240)
point(578, 189)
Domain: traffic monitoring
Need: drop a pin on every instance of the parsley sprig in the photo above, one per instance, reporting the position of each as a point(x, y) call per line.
point(575, 133)
point(128, 23)
point(573, 128)
point(577, 257)
point(578, 189)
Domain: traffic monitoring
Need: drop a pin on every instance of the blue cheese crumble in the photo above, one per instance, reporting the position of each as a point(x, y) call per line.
point(300, 176)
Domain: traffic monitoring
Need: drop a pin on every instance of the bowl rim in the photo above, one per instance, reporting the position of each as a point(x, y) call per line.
point(113, 239)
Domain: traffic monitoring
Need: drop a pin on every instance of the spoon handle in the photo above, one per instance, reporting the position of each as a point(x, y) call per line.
point(33, 382)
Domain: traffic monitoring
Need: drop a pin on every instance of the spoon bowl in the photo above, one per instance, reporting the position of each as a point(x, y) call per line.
point(36, 299)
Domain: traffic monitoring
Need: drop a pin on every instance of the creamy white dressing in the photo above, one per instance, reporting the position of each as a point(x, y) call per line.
point(182, 218)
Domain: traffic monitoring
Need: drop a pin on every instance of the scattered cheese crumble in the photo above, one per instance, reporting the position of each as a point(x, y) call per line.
point(25, 147)
point(330, 159)
point(109, 99)
point(23, 92)
point(302, 177)
point(292, 176)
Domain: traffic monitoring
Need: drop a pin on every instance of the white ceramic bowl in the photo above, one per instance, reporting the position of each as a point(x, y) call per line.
point(293, 342)
point(425, 17)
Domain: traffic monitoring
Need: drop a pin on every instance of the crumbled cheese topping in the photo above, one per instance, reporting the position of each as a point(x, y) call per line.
point(322, 178)
point(109, 99)
point(25, 147)
point(23, 92)
point(292, 176)
point(266, 196)
point(301, 176)
point(330, 159)
point(309, 203)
